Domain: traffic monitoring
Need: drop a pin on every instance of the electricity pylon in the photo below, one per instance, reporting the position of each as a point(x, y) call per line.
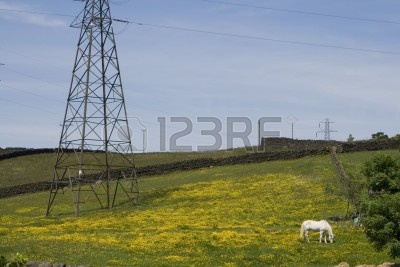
point(327, 130)
point(95, 155)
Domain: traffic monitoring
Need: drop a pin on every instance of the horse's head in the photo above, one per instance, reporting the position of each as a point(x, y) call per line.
point(331, 236)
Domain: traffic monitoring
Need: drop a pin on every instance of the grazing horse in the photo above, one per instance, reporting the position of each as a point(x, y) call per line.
point(322, 227)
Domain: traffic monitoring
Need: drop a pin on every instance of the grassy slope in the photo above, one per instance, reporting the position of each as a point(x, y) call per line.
point(225, 216)
point(36, 168)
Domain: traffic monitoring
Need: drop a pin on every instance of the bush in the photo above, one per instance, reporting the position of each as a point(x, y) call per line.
point(18, 260)
point(3, 261)
point(383, 174)
point(382, 222)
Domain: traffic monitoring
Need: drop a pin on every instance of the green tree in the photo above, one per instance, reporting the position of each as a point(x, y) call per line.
point(382, 222)
point(379, 136)
point(350, 138)
point(396, 137)
point(383, 174)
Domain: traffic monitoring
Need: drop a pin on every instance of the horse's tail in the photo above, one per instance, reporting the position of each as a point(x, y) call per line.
point(302, 231)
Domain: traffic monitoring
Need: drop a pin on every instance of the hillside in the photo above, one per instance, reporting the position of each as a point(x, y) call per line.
point(19, 166)
point(236, 215)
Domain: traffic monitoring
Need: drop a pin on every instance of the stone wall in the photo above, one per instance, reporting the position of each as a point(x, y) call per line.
point(370, 145)
point(26, 152)
point(287, 144)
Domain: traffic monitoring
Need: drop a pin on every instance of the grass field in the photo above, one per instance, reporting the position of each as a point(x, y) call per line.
point(37, 168)
point(241, 215)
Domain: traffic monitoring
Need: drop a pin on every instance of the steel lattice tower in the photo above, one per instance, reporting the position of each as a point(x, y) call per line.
point(327, 130)
point(95, 145)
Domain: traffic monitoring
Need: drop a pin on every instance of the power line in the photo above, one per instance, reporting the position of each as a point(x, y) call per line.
point(36, 12)
point(27, 106)
point(239, 35)
point(302, 12)
point(34, 78)
point(30, 93)
point(232, 4)
point(260, 38)
point(63, 87)
point(2, 47)
point(122, 2)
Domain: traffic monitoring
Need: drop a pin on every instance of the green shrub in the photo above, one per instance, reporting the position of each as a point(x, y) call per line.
point(382, 225)
point(18, 260)
point(3, 261)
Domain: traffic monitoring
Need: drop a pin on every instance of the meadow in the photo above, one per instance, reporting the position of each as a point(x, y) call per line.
point(241, 215)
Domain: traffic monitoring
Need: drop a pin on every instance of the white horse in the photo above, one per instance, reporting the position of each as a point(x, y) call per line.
point(322, 227)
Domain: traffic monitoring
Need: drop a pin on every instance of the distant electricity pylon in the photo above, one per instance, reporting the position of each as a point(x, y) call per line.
point(326, 130)
point(95, 154)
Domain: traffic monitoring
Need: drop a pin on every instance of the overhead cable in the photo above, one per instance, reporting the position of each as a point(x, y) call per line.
point(261, 38)
point(36, 12)
point(238, 35)
point(302, 12)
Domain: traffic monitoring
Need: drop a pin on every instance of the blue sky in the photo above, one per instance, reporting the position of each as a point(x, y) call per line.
point(168, 72)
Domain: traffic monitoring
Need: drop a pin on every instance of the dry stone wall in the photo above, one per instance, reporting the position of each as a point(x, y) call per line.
point(287, 144)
